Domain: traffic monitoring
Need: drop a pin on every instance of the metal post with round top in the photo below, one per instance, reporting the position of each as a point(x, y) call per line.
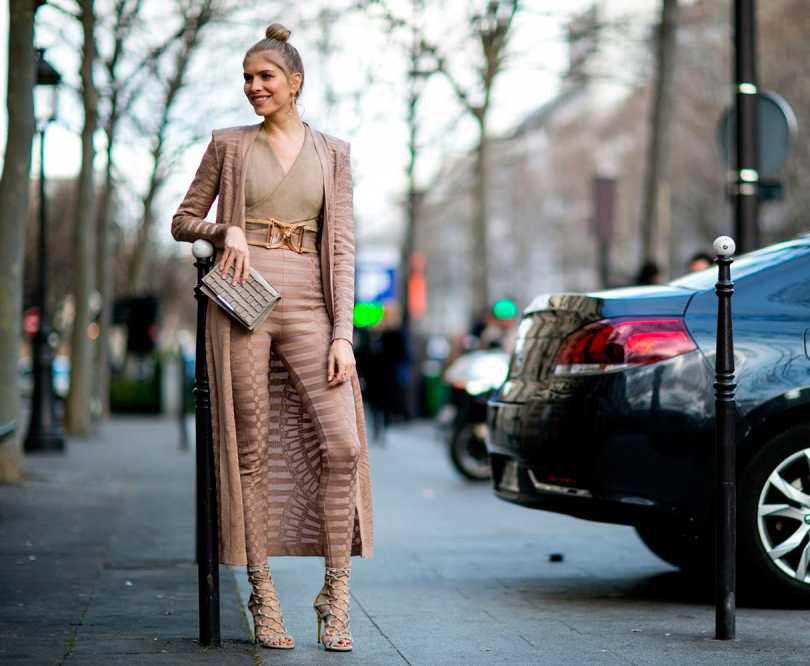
point(725, 415)
point(207, 531)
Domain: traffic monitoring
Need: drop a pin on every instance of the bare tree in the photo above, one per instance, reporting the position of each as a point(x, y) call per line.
point(491, 27)
point(77, 411)
point(660, 121)
point(125, 13)
point(194, 18)
point(120, 93)
point(14, 192)
point(416, 76)
point(416, 80)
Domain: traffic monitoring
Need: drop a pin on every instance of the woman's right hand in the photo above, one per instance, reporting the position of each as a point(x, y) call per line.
point(235, 252)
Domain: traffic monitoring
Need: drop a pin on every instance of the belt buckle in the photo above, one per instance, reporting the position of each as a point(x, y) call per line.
point(272, 223)
point(300, 238)
point(285, 235)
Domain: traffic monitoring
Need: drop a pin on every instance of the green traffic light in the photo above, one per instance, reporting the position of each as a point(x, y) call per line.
point(504, 309)
point(367, 315)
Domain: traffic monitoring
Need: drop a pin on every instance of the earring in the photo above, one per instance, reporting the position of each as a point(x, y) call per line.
point(292, 106)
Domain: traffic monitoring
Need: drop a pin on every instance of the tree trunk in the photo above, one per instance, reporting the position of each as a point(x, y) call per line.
point(14, 191)
point(140, 253)
point(125, 15)
point(77, 414)
point(101, 383)
point(480, 257)
point(660, 117)
point(409, 236)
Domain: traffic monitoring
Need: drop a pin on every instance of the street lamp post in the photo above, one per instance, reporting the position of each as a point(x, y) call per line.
point(746, 165)
point(45, 430)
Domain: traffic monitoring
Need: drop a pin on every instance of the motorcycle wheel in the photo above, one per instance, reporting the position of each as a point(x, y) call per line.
point(469, 456)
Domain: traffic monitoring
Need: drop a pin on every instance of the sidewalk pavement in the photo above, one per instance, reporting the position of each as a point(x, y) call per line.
point(96, 567)
point(97, 556)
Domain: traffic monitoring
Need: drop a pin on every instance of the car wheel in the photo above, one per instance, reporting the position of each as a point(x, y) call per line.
point(774, 518)
point(673, 545)
point(468, 453)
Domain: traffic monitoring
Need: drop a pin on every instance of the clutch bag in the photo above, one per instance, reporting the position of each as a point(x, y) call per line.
point(247, 303)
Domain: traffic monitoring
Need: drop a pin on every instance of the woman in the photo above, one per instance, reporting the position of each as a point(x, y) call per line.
point(290, 450)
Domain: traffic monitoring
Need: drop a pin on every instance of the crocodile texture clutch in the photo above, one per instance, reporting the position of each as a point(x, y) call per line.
point(248, 303)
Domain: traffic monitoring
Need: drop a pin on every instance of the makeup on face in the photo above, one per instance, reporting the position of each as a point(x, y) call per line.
point(266, 85)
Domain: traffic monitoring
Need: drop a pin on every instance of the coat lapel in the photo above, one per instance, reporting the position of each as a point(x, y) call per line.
point(327, 232)
point(245, 143)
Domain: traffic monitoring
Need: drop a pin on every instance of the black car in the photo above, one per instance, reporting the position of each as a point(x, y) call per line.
point(608, 414)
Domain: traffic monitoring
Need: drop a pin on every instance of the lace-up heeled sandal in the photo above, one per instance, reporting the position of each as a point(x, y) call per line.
point(265, 607)
point(332, 609)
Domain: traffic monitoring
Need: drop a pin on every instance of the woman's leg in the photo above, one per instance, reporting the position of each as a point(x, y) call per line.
point(250, 362)
point(250, 365)
point(304, 348)
point(303, 344)
point(332, 411)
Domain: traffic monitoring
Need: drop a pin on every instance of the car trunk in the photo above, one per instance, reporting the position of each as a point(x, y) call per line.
point(549, 319)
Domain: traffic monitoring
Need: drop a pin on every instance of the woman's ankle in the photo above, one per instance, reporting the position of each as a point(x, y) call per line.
point(340, 565)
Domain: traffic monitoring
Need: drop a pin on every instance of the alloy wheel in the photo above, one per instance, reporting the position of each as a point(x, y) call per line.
point(783, 516)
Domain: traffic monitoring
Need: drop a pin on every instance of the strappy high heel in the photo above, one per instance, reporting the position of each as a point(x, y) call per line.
point(268, 623)
point(332, 609)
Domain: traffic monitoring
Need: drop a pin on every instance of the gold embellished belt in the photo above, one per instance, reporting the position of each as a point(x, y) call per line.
point(270, 233)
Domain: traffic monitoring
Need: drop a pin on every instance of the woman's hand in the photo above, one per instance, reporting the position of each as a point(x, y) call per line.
point(341, 362)
point(235, 252)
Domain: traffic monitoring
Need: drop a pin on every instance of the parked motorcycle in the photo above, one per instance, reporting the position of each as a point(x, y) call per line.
point(472, 378)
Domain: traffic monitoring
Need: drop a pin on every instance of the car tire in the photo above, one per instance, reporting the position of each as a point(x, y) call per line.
point(673, 545)
point(773, 534)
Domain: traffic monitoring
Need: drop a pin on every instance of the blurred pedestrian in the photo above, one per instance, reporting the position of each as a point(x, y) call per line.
point(382, 365)
point(300, 459)
point(649, 273)
point(700, 261)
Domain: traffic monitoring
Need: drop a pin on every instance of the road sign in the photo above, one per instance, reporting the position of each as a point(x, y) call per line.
point(777, 130)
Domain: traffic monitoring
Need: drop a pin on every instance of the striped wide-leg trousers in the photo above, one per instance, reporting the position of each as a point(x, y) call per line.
point(298, 333)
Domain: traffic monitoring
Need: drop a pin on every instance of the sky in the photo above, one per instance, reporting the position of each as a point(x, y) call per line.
point(375, 126)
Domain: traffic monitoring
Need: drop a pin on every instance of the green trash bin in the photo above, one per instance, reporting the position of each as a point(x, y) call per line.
point(436, 392)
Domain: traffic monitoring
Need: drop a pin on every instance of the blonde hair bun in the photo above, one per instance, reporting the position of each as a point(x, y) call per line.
point(278, 32)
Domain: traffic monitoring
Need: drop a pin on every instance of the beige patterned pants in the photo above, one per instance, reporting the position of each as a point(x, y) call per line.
point(297, 493)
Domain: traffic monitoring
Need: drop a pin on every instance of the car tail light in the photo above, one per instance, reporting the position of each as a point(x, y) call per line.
point(610, 345)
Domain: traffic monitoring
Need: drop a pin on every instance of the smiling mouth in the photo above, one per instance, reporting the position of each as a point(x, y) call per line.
point(260, 99)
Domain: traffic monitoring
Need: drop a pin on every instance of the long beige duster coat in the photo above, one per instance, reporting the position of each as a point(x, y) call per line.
point(222, 173)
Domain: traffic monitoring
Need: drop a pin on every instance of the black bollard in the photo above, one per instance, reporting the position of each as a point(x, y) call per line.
point(725, 448)
point(207, 528)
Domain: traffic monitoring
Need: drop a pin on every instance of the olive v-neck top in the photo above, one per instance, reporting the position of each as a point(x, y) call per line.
point(296, 196)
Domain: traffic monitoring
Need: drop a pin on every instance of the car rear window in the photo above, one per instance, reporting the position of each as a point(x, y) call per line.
point(746, 264)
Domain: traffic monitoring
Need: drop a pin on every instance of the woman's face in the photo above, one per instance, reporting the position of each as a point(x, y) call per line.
point(266, 86)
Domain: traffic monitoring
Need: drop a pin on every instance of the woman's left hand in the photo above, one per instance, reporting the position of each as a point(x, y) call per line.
point(340, 363)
